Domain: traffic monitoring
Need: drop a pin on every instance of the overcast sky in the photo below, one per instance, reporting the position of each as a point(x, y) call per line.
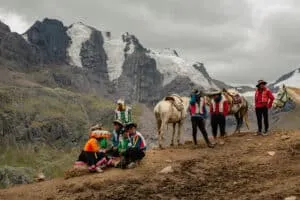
point(237, 40)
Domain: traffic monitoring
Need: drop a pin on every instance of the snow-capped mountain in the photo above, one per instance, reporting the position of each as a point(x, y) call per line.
point(123, 66)
point(291, 79)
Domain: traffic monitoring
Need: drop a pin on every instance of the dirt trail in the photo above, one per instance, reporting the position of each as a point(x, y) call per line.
point(241, 169)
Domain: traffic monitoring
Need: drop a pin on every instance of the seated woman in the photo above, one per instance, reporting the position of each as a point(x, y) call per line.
point(135, 149)
point(117, 132)
point(94, 152)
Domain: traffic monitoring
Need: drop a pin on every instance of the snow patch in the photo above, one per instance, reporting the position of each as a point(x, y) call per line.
point(172, 66)
point(115, 52)
point(293, 81)
point(249, 94)
point(25, 36)
point(79, 34)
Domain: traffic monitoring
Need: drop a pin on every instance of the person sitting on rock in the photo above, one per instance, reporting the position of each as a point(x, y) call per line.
point(123, 112)
point(136, 147)
point(92, 154)
point(117, 132)
point(219, 109)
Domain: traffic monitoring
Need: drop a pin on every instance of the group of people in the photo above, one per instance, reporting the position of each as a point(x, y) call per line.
point(123, 148)
point(219, 109)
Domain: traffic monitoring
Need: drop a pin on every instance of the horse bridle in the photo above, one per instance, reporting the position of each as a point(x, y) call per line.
point(285, 94)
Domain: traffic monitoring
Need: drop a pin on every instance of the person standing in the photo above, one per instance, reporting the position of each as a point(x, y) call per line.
point(263, 102)
point(219, 109)
point(198, 114)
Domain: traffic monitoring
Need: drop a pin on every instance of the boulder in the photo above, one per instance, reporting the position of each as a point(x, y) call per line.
point(290, 198)
point(271, 153)
point(167, 170)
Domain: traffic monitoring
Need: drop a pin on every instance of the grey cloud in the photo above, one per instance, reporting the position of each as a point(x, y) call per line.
point(239, 41)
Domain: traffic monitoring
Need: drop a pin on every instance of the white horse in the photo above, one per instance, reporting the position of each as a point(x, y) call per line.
point(167, 112)
point(282, 97)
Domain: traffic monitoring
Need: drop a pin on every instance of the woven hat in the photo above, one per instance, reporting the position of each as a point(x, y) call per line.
point(214, 92)
point(100, 134)
point(96, 127)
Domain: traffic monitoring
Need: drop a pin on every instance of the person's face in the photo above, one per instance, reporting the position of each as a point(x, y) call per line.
point(262, 86)
point(116, 126)
point(132, 130)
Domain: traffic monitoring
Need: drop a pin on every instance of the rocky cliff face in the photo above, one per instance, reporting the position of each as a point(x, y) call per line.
point(119, 66)
point(51, 39)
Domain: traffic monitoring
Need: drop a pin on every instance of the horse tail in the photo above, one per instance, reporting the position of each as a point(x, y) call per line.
point(246, 117)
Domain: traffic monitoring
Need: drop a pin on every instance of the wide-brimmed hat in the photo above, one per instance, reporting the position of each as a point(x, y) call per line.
point(214, 92)
point(118, 122)
point(260, 82)
point(96, 127)
point(130, 124)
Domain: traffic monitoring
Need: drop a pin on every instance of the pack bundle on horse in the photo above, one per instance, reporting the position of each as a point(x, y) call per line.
point(282, 97)
point(172, 109)
point(238, 106)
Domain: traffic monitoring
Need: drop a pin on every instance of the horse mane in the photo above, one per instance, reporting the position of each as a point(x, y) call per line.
point(232, 91)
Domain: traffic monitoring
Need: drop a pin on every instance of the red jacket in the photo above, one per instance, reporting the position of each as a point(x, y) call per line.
point(216, 108)
point(263, 98)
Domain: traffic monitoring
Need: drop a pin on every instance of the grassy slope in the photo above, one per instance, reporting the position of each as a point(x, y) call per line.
point(41, 108)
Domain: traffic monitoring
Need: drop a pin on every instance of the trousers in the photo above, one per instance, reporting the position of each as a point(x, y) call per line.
point(199, 122)
point(262, 113)
point(218, 121)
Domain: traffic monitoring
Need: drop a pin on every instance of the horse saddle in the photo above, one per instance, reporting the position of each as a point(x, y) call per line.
point(176, 101)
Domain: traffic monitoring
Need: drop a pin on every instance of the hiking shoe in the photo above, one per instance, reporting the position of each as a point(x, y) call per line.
point(210, 145)
point(215, 141)
point(131, 165)
point(99, 170)
point(265, 133)
point(258, 133)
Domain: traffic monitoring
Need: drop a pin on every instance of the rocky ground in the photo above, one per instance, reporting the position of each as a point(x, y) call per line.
point(246, 167)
